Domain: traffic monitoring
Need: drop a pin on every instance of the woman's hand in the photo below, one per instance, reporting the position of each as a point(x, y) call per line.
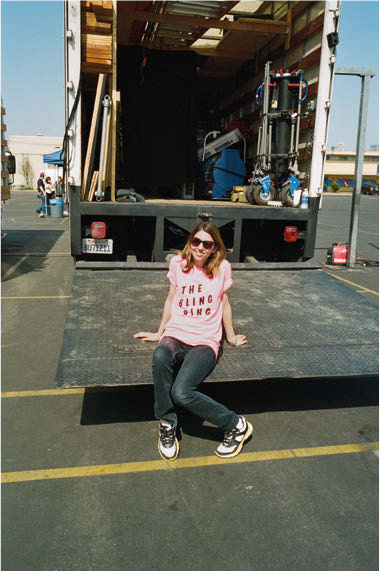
point(237, 340)
point(147, 336)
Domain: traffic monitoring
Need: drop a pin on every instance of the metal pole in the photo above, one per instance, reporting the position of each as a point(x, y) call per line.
point(99, 194)
point(362, 127)
point(264, 135)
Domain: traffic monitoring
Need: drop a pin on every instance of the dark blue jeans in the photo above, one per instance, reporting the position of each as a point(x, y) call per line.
point(178, 370)
point(42, 207)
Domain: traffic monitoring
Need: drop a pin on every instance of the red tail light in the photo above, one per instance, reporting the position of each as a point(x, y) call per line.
point(290, 233)
point(98, 229)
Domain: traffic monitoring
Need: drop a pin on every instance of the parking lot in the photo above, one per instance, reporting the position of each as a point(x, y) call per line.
point(83, 487)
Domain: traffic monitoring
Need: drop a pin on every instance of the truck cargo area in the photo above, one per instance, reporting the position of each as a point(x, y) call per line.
point(178, 75)
point(300, 324)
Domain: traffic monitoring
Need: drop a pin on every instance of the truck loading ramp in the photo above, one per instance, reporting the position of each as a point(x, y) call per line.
point(300, 324)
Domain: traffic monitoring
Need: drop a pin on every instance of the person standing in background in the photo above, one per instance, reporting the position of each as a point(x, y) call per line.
point(59, 187)
point(41, 194)
point(49, 188)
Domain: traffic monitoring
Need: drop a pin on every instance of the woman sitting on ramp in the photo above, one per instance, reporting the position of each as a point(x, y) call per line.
point(189, 340)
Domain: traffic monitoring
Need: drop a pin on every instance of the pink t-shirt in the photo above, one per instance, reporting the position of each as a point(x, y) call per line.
point(196, 316)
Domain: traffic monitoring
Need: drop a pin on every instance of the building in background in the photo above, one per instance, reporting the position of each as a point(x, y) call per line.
point(340, 169)
point(29, 150)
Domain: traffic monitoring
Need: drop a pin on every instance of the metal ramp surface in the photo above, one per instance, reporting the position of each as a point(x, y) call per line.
point(300, 324)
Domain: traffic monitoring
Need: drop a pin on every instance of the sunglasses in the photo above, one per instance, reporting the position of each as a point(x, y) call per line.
point(207, 244)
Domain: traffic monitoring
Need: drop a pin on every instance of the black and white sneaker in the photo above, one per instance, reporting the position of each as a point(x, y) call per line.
point(168, 446)
point(234, 439)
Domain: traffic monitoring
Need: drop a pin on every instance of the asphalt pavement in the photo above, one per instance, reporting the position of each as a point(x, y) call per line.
point(84, 488)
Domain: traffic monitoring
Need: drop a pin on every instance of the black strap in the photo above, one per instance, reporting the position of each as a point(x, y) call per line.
point(230, 172)
point(65, 137)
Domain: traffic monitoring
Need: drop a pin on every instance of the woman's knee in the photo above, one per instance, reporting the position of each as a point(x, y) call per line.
point(162, 356)
point(182, 396)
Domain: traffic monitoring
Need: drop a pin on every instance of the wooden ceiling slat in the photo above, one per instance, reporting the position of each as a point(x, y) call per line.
point(254, 25)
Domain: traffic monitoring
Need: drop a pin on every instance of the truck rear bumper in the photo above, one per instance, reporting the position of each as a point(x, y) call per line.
point(186, 214)
point(299, 325)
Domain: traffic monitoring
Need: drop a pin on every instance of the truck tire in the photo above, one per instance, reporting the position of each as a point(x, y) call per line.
point(249, 195)
point(286, 197)
point(260, 197)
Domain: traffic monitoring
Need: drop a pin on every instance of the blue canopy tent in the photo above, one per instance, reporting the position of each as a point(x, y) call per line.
point(55, 158)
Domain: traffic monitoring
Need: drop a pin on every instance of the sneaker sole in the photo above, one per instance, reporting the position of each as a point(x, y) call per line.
point(176, 452)
point(247, 434)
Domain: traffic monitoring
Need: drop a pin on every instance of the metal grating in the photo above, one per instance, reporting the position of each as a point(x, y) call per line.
point(299, 325)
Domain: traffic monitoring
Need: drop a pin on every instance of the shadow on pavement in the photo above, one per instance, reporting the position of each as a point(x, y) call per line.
point(18, 243)
point(135, 404)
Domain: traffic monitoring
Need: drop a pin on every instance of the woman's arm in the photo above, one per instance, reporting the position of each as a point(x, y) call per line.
point(232, 338)
point(148, 336)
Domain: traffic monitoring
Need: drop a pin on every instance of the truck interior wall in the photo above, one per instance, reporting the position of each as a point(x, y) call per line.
point(303, 53)
point(159, 116)
point(166, 107)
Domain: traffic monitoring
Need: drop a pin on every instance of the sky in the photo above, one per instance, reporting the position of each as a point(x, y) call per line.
point(33, 78)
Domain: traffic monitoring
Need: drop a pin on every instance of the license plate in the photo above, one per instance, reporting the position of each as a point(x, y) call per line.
point(96, 246)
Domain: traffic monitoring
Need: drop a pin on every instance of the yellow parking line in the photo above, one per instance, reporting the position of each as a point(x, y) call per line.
point(13, 268)
point(198, 462)
point(353, 284)
point(35, 254)
point(37, 297)
point(64, 220)
point(41, 393)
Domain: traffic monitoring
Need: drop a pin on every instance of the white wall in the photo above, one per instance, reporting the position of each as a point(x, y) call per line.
point(35, 147)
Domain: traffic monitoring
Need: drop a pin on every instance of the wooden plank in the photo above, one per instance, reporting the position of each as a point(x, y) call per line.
point(241, 54)
point(96, 39)
point(96, 67)
point(101, 28)
point(310, 60)
point(89, 19)
point(94, 58)
point(3, 111)
point(311, 28)
point(97, 52)
point(289, 20)
point(3, 143)
point(93, 185)
point(4, 174)
point(93, 55)
point(298, 7)
point(239, 41)
point(253, 25)
point(89, 162)
point(102, 14)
